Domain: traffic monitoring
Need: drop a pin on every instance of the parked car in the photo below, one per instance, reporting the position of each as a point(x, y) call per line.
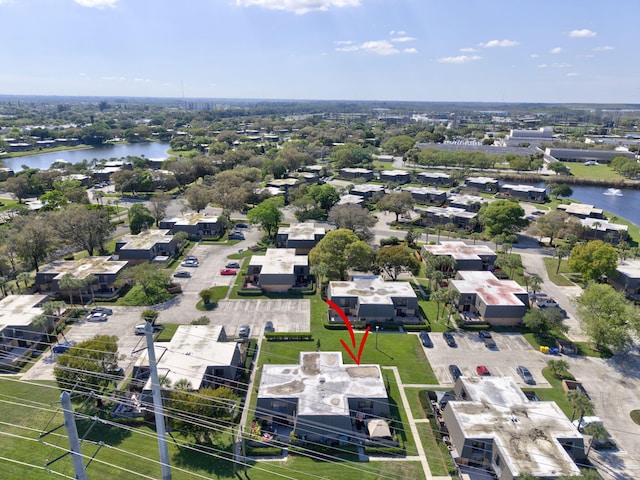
point(450, 339)
point(140, 329)
point(242, 225)
point(190, 263)
point(105, 310)
point(182, 274)
point(97, 317)
point(244, 330)
point(236, 236)
point(268, 327)
point(228, 271)
point(426, 340)
point(484, 334)
point(117, 372)
point(233, 265)
point(482, 371)
point(546, 302)
point(525, 374)
point(191, 257)
point(455, 372)
point(61, 348)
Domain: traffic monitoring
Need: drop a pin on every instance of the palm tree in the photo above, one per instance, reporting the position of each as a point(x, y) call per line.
point(182, 384)
point(453, 297)
point(598, 433)
point(580, 404)
point(559, 368)
point(68, 283)
point(535, 282)
point(23, 277)
point(440, 296)
point(560, 251)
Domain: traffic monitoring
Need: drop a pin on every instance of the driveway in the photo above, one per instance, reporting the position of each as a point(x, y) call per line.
point(120, 324)
point(511, 351)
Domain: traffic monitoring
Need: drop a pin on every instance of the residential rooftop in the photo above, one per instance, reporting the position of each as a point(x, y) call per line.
point(459, 250)
point(192, 219)
point(528, 435)
point(279, 261)
point(522, 188)
point(492, 290)
point(146, 240)
point(84, 267)
point(302, 231)
point(629, 268)
point(580, 209)
point(19, 310)
point(322, 383)
point(372, 289)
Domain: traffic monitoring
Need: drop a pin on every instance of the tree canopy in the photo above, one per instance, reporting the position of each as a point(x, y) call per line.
point(594, 259)
point(607, 316)
point(86, 364)
point(353, 217)
point(502, 217)
point(267, 214)
point(140, 218)
point(393, 260)
point(396, 202)
point(338, 251)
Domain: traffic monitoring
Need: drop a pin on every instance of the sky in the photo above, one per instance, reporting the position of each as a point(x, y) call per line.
point(415, 50)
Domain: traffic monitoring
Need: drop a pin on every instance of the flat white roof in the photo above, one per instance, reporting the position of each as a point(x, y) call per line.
point(522, 188)
point(424, 191)
point(368, 187)
point(490, 289)
point(192, 350)
point(19, 310)
point(354, 199)
point(84, 267)
point(527, 434)
point(372, 290)
point(459, 250)
point(146, 240)
point(466, 199)
point(393, 173)
point(193, 219)
point(579, 209)
point(449, 211)
point(279, 261)
point(322, 383)
point(629, 268)
point(481, 180)
point(603, 225)
point(302, 231)
point(434, 175)
point(356, 170)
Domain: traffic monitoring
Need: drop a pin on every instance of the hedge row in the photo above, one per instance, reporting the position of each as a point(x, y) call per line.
point(288, 336)
point(417, 328)
point(378, 450)
point(263, 451)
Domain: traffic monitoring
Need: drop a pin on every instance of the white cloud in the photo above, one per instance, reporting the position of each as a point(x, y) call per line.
point(555, 51)
point(554, 65)
point(468, 50)
point(142, 80)
point(299, 7)
point(535, 55)
point(113, 79)
point(397, 32)
point(96, 3)
point(543, 65)
point(604, 48)
point(377, 47)
point(498, 43)
point(459, 59)
point(402, 39)
point(584, 33)
point(573, 74)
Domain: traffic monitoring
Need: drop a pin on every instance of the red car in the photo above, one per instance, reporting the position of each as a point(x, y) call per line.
point(482, 371)
point(228, 271)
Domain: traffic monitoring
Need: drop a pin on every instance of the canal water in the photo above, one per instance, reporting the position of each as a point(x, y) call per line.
point(44, 160)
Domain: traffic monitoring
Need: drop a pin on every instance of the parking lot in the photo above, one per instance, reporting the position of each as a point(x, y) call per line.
point(120, 324)
point(511, 351)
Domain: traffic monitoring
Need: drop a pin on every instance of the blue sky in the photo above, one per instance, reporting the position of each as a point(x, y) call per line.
point(425, 50)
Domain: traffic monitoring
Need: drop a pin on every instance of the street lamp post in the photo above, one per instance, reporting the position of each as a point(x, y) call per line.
point(377, 328)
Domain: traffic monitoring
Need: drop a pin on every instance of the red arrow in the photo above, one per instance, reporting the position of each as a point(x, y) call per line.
point(346, 321)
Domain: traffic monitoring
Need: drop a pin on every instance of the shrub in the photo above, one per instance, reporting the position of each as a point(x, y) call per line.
point(288, 336)
point(203, 320)
point(149, 315)
point(391, 241)
point(380, 450)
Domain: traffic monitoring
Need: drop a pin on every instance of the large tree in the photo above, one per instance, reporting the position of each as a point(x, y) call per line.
point(33, 239)
point(86, 365)
point(394, 260)
point(82, 227)
point(502, 217)
point(140, 218)
point(199, 413)
point(396, 202)
point(556, 224)
point(594, 259)
point(350, 155)
point(152, 279)
point(608, 317)
point(560, 190)
point(158, 206)
point(353, 217)
point(198, 197)
point(267, 214)
point(338, 251)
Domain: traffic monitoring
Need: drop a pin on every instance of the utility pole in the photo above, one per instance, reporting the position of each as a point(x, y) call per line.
point(72, 434)
point(157, 405)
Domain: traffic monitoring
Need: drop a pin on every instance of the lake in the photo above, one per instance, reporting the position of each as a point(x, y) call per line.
point(625, 206)
point(44, 160)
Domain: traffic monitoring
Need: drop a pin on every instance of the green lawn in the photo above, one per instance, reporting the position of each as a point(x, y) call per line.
point(561, 279)
point(600, 172)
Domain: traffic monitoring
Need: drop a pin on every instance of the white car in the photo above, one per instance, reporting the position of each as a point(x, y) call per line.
point(97, 317)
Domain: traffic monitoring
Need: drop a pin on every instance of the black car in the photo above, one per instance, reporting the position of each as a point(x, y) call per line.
point(268, 327)
point(525, 374)
point(104, 310)
point(61, 348)
point(236, 236)
point(484, 334)
point(450, 339)
point(426, 340)
point(455, 372)
point(233, 265)
point(242, 225)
